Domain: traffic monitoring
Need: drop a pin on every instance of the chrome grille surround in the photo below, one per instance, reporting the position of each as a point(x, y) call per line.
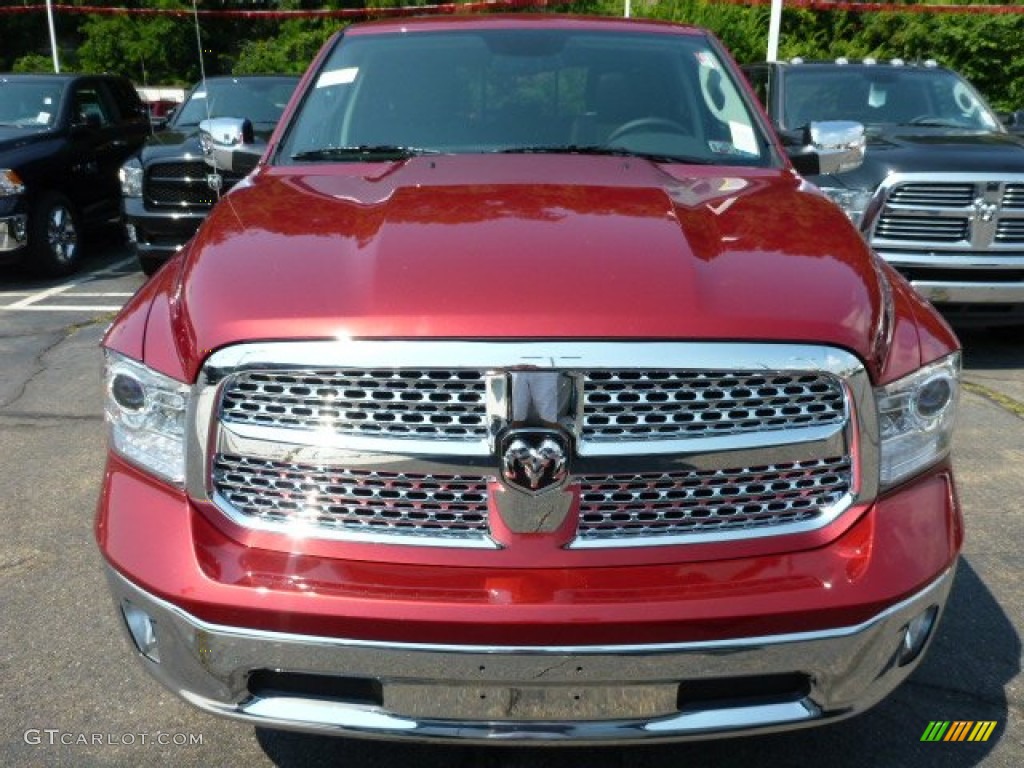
point(181, 184)
point(948, 219)
point(340, 469)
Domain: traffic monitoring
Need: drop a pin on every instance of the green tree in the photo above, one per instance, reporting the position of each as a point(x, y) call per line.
point(153, 49)
point(289, 51)
point(33, 62)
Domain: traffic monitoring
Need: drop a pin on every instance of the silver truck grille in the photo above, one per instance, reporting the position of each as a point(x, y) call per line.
point(668, 404)
point(933, 195)
point(934, 218)
point(696, 442)
point(292, 494)
point(431, 404)
point(671, 503)
point(915, 228)
point(1010, 231)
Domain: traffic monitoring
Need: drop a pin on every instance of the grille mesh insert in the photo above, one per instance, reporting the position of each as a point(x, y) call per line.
point(182, 185)
point(665, 504)
point(629, 405)
point(431, 404)
point(353, 500)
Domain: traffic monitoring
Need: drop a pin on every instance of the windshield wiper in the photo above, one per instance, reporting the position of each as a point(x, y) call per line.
point(596, 149)
point(933, 122)
point(379, 152)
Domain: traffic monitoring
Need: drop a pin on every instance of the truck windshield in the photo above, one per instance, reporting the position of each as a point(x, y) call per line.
point(882, 94)
point(386, 96)
point(259, 99)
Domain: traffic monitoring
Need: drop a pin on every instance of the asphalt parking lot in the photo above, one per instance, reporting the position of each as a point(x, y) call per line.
point(70, 693)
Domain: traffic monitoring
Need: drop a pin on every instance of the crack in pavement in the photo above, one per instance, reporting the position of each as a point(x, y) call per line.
point(995, 397)
point(38, 362)
point(34, 418)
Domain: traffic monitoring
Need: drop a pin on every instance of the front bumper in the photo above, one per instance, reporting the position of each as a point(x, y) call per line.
point(158, 235)
point(13, 232)
point(600, 654)
point(961, 278)
point(577, 694)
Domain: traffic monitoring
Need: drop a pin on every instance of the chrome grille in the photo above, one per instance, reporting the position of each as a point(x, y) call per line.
point(940, 230)
point(182, 185)
point(338, 441)
point(350, 500)
point(1013, 197)
point(1010, 231)
point(675, 503)
point(630, 405)
point(399, 403)
point(933, 195)
point(925, 218)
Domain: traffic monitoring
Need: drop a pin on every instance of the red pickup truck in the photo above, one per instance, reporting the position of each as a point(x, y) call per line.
point(524, 390)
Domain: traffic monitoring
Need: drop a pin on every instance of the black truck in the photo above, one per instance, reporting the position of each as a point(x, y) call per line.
point(168, 189)
point(62, 140)
point(940, 194)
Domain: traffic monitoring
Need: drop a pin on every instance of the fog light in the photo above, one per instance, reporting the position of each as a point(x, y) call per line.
point(916, 635)
point(142, 629)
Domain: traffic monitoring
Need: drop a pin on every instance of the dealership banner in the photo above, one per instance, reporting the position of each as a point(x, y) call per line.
point(497, 5)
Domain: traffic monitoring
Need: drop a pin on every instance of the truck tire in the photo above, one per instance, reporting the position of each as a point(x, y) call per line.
point(150, 265)
point(55, 234)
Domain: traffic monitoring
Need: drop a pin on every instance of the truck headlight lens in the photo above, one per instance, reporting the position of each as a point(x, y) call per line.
point(853, 201)
point(10, 183)
point(146, 414)
point(916, 416)
point(130, 175)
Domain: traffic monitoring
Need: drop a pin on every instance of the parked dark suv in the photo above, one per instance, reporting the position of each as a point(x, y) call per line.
point(167, 188)
point(62, 140)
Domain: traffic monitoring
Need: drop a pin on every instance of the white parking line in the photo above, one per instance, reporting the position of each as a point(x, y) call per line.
point(37, 297)
point(70, 308)
point(105, 295)
point(31, 302)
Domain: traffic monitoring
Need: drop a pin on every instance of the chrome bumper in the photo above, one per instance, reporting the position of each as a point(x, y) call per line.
point(13, 232)
point(974, 268)
point(942, 292)
point(580, 694)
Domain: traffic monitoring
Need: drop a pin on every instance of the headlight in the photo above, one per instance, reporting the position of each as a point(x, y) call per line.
point(10, 183)
point(130, 175)
point(146, 414)
point(916, 416)
point(853, 201)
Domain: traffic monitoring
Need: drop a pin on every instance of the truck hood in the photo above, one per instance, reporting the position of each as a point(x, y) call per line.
point(175, 142)
point(526, 247)
point(12, 138)
point(933, 151)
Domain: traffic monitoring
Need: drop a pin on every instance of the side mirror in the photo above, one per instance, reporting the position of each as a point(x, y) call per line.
point(1013, 121)
point(829, 146)
point(229, 144)
point(87, 122)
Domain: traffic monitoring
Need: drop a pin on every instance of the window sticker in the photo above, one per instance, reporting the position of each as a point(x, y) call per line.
point(43, 117)
point(337, 77)
point(199, 95)
point(743, 138)
point(705, 59)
